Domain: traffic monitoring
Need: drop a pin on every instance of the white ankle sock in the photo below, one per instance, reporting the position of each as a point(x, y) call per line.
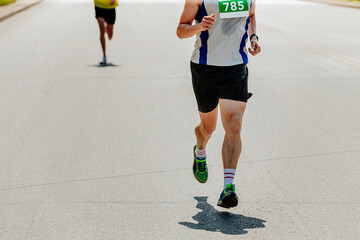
point(229, 175)
point(200, 154)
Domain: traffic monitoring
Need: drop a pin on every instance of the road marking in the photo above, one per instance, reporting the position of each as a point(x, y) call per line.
point(48, 184)
point(342, 57)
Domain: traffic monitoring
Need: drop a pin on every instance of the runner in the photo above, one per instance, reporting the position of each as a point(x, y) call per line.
point(220, 78)
point(105, 15)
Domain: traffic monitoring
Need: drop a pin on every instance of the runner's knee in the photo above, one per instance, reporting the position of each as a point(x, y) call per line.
point(233, 122)
point(207, 129)
point(102, 32)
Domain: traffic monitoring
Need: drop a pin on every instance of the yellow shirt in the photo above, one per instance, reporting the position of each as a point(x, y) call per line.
point(105, 4)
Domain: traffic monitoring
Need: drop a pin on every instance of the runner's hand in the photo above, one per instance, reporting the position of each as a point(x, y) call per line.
point(112, 2)
point(255, 47)
point(208, 22)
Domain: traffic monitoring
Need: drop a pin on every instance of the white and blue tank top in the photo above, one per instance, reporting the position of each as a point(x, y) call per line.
point(225, 43)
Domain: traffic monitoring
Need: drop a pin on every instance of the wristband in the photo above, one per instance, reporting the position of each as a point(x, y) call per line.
point(254, 35)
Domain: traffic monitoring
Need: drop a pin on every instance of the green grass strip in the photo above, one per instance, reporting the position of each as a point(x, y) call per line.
point(4, 2)
point(356, 1)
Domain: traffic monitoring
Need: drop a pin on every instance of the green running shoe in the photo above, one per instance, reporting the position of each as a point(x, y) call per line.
point(228, 197)
point(200, 169)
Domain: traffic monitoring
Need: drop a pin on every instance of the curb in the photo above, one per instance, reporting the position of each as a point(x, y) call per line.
point(14, 8)
point(338, 3)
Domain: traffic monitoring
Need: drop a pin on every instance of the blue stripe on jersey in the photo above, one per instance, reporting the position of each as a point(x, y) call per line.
point(204, 36)
point(243, 41)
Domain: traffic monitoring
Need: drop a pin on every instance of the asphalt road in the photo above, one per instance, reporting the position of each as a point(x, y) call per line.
point(104, 153)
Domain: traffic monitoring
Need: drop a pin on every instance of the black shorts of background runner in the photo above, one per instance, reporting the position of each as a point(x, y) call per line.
point(108, 14)
point(211, 83)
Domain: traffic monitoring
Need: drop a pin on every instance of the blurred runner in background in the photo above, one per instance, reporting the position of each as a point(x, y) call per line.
point(105, 14)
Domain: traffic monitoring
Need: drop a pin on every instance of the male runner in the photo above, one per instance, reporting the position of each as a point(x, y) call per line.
point(105, 14)
point(220, 77)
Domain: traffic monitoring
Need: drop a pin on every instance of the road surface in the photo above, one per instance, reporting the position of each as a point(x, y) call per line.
point(104, 153)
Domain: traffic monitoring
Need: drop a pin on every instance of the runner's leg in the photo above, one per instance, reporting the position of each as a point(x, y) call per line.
point(232, 113)
point(110, 30)
point(206, 127)
point(203, 133)
point(101, 22)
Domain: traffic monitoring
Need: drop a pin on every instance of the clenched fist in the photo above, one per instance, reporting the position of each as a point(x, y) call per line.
point(208, 22)
point(255, 47)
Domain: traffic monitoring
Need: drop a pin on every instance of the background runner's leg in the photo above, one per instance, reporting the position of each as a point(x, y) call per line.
point(110, 30)
point(231, 116)
point(206, 127)
point(101, 22)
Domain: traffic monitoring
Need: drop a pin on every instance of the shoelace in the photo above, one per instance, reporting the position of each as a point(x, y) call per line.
point(202, 166)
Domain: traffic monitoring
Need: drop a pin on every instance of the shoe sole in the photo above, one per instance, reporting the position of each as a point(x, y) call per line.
point(229, 201)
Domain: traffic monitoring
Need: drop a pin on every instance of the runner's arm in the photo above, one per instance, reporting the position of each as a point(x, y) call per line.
point(186, 29)
point(252, 26)
point(255, 47)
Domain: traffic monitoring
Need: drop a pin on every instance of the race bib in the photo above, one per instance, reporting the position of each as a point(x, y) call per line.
point(234, 8)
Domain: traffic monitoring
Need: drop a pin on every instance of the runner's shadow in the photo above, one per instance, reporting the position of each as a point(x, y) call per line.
point(103, 66)
point(212, 220)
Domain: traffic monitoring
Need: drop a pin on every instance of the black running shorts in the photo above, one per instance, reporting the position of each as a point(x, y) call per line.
point(108, 14)
point(211, 83)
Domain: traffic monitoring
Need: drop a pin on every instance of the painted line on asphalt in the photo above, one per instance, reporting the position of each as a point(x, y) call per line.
point(339, 56)
point(170, 170)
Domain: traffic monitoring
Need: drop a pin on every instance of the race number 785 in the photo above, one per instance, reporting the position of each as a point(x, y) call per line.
point(234, 6)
